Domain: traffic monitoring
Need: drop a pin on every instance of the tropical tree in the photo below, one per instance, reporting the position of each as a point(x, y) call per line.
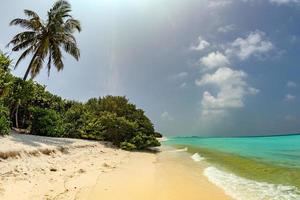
point(6, 78)
point(5, 62)
point(46, 39)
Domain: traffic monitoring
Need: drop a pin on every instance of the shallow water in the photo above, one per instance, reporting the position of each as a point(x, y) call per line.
point(250, 167)
point(281, 150)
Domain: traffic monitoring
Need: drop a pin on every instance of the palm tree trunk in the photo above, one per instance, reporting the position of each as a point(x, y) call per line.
point(29, 66)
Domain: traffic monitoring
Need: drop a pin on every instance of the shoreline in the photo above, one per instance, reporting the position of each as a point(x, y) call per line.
point(163, 176)
point(93, 170)
point(245, 178)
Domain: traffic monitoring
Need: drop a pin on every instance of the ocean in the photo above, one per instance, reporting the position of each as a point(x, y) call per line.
point(248, 168)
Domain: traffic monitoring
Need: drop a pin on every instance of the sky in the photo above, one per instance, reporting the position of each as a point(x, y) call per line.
point(197, 67)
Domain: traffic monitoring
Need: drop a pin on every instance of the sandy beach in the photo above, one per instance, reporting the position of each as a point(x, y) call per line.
point(35, 167)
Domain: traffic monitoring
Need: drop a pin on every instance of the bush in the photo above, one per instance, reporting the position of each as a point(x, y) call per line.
point(46, 122)
point(4, 121)
point(127, 146)
point(75, 119)
point(116, 129)
point(142, 141)
point(157, 135)
point(92, 129)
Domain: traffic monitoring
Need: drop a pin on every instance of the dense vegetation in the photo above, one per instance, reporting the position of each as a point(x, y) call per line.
point(27, 105)
point(111, 118)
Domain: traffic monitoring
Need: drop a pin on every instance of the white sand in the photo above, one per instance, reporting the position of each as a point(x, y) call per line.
point(67, 169)
point(164, 176)
point(58, 175)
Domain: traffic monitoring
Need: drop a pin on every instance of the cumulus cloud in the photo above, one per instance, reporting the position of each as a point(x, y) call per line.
point(254, 44)
point(232, 89)
point(166, 116)
point(201, 44)
point(214, 60)
point(227, 28)
point(291, 84)
point(289, 97)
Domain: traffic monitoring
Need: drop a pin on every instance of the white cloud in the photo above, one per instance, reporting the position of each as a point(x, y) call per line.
point(280, 2)
point(166, 116)
point(214, 60)
point(227, 28)
point(253, 44)
point(201, 44)
point(291, 84)
point(232, 89)
point(289, 97)
point(218, 3)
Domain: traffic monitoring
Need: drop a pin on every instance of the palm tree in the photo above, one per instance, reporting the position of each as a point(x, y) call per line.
point(46, 40)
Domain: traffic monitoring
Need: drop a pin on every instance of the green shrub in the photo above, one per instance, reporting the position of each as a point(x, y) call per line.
point(157, 135)
point(75, 120)
point(127, 146)
point(92, 129)
point(46, 122)
point(116, 129)
point(142, 141)
point(4, 121)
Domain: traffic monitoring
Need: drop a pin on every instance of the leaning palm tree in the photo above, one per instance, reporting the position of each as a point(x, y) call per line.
point(46, 40)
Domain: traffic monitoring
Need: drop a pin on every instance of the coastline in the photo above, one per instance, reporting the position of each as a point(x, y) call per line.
point(163, 176)
point(93, 170)
point(246, 178)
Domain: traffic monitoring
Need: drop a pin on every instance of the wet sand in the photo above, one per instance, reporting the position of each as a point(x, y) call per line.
point(168, 175)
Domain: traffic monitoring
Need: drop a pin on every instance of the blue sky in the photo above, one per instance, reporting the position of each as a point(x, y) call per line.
point(197, 67)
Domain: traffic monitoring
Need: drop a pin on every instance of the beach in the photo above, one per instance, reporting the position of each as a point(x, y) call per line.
point(34, 167)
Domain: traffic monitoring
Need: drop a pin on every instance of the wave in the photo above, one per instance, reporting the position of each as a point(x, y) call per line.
point(182, 150)
point(197, 158)
point(163, 139)
point(244, 189)
point(179, 150)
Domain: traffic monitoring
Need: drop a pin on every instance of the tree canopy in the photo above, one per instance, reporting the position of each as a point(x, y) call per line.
point(46, 40)
point(109, 118)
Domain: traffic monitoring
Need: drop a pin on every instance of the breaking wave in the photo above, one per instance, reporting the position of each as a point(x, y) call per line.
point(244, 189)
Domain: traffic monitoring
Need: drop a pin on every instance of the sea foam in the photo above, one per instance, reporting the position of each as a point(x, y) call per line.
point(181, 150)
point(197, 158)
point(244, 189)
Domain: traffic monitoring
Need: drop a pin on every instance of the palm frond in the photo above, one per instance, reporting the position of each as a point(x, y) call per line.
point(72, 24)
point(23, 55)
point(21, 37)
point(47, 40)
point(23, 45)
point(57, 57)
point(71, 48)
point(31, 13)
point(49, 62)
point(38, 62)
point(30, 24)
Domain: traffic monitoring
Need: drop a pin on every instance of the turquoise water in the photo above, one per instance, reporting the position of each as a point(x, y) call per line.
point(281, 150)
point(248, 168)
